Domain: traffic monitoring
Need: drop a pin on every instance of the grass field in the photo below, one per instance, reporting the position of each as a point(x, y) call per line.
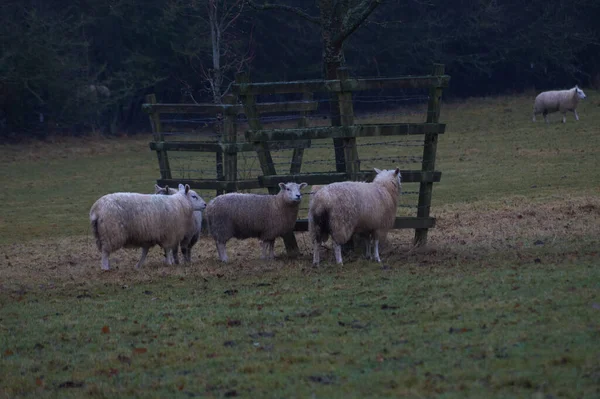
point(503, 302)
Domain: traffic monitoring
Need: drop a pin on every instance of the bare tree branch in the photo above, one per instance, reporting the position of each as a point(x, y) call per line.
point(355, 18)
point(295, 10)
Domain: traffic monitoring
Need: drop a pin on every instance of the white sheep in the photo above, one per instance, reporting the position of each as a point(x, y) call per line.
point(343, 209)
point(324, 236)
point(191, 237)
point(266, 217)
point(131, 220)
point(558, 100)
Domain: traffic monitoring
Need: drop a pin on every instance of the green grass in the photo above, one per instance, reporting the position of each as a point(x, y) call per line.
point(504, 302)
point(358, 331)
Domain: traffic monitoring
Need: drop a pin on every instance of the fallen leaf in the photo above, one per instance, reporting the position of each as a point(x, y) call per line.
point(8, 352)
point(234, 323)
point(71, 384)
point(140, 350)
point(39, 381)
point(180, 387)
point(106, 330)
point(124, 359)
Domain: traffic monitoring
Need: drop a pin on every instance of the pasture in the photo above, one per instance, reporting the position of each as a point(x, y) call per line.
point(504, 301)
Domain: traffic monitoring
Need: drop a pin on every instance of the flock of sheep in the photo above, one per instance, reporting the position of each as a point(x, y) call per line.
point(173, 218)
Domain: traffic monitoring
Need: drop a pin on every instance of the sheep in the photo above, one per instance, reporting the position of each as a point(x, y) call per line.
point(132, 220)
point(242, 215)
point(191, 237)
point(324, 236)
point(345, 208)
point(558, 100)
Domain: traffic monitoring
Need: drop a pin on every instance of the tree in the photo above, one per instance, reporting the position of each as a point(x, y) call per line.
point(224, 52)
point(337, 21)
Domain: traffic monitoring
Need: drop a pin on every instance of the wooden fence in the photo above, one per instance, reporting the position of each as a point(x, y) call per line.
point(343, 131)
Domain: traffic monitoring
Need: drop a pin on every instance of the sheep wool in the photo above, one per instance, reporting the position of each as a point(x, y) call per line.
point(132, 220)
point(558, 100)
point(192, 236)
point(242, 215)
point(343, 209)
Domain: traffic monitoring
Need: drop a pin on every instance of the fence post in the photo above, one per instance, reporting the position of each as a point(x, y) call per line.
point(296, 165)
point(429, 150)
point(230, 137)
point(264, 155)
point(351, 161)
point(163, 159)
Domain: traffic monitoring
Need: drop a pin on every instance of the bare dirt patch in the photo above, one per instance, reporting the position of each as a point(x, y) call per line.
point(473, 232)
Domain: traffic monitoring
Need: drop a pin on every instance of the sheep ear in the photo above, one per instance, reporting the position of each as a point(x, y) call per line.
point(397, 172)
point(157, 188)
point(377, 170)
point(181, 187)
point(282, 186)
point(302, 185)
point(187, 188)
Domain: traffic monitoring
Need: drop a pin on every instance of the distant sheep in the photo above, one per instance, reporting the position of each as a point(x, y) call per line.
point(558, 100)
point(266, 217)
point(131, 220)
point(191, 237)
point(345, 208)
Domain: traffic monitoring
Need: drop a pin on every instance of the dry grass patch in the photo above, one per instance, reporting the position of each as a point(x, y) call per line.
point(464, 231)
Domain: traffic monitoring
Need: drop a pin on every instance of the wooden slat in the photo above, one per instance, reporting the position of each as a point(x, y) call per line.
point(205, 109)
point(287, 106)
point(324, 132)
point(304, 86)
point(185, 146)
point(407, 82)
point(429, 152)
point(402, 222)
point(212, 109)
point(408, 176)
point(212, 184)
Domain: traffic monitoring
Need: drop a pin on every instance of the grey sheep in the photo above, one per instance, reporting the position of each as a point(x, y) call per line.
point(548, 102)
point(191, 237)
point(343, 209)
point(132, 220)
point(266, 217)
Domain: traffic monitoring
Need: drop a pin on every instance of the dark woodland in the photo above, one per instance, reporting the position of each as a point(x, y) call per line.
point(70, 67)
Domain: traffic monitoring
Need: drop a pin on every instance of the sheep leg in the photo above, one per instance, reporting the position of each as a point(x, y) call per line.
point(142, 258)
point(376, 244)
point(222, 251)
point(263, 249)
point(368, 248)
point(170, 256)
point(187, 254)
point(175, 251)
point(337, 250)
point(564, 117)
point(271, 249)
point(105, 261)
point(576, 116)
point(546, 116)
point(316, 255)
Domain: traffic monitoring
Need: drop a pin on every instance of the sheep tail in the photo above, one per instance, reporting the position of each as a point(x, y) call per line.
point(94, 222)
point(321, 223)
